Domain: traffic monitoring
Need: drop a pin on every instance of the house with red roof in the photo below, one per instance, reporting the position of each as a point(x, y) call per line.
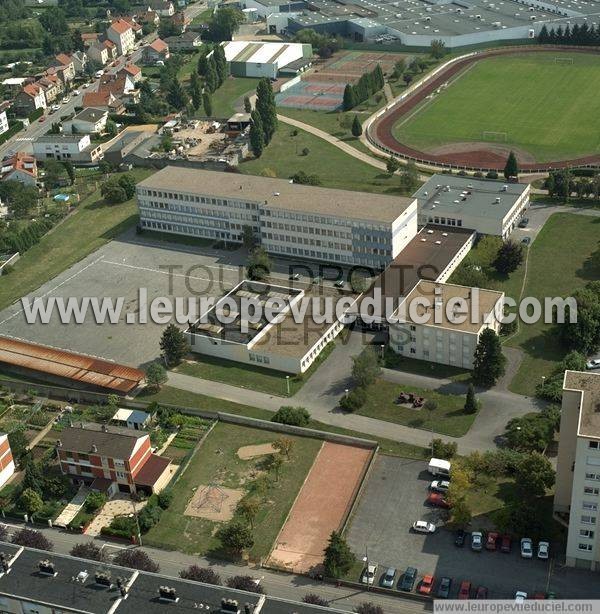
point(102, 52)
point(132, 71)
point(122, 35)
point(53, 87)
point(19, 167)
point(155, 51)
point(31, 97)
point(103, 99)
point(64, 64)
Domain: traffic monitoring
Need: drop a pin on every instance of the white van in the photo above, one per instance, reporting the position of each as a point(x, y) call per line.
point(98, 74)
point(438, 466)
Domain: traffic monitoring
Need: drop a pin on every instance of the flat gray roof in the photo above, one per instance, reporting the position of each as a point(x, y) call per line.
point(454, 195)
point(91, 114)
point(588, 383)
point(280, 194)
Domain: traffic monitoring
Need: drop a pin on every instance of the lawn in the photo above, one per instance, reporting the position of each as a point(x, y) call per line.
point(216, 462)
point(283, 157)
point(234, 89)
point(448, 418)
point(553, 115)
point(558, 265)
point(424, 367)
point(92, 225)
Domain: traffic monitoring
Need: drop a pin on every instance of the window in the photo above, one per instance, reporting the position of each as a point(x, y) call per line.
point(586, 533)
point(593, 445)
point(591, 490)
point(585, 547)
point(588, 505)
point(592, 476)
point(588, 519)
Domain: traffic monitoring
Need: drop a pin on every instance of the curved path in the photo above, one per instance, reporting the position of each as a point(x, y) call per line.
point(379, 135)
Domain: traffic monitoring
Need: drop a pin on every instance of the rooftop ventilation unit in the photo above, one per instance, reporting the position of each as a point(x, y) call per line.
point(102, 578)
point(46, 568)
point(430, 232)
point(229, 606)
point(497, 199)
point(438, 242)
point(423, 240)
point(167, 593)
point(82, 576)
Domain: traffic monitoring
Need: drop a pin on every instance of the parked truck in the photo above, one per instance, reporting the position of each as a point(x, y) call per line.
point(439, 467)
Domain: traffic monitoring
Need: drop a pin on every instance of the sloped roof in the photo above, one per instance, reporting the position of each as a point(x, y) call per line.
point(32, 89)
point(159, 45)
point(132, 69)
point(19, 161)
point(113, 441)
point(97, 99)
point(120, 26)
point(152, 469)
point(63, 59)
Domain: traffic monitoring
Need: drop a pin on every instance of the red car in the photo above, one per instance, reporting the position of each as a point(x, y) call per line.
point(539, 595)
point(505, 543)
point(482, 592)
point(490, 542)
point(464, 592)
point(435, 498)
point(426, 585)
point(42, 119)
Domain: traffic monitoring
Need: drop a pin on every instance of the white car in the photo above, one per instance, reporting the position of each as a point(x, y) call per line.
point(520, 596)
point(593, 364)
point(422, 526)
point(369, 573)
point(439, 486)
point(526, 548)
point(54, 108)
point(76, 93)
point(66, 99)
point(543, 550)
point(85, 85)
point(477, 541)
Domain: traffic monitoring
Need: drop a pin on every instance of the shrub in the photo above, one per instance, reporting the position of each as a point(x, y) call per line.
point(315, 600)
point(165, 498)
point(245, 583)
point(354, 400)
point(88, 550)
point(294, 416)
point(136, 559)
point(32, 539)
point(94, 501)
point(492, 175)
point(148, 517)
point(201, 574)
point(443, 449)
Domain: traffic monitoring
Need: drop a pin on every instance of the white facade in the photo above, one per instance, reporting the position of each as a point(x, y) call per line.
point(66, 147)
point(89, 121)
point(122, 35)
point(3, 122)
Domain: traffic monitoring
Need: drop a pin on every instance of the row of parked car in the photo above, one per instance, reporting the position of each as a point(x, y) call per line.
point(494, 541)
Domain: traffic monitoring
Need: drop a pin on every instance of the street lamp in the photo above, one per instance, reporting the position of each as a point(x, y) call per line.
point(382, 346)
point(346, 391)
point(366, 562)
point(287, 382)
point(137, 522)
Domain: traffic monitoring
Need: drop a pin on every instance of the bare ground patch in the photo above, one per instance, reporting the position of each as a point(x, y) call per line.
point(214, 503)
point(473, 147)
point(248, 452)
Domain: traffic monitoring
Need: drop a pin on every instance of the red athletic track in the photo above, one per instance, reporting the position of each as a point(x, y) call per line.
point(380, 131)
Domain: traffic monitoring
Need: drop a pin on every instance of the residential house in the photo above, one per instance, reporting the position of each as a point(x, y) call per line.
point(155, 51)
point(132, 418)
point(181, 21)
point(89, 38)
point(53, 87)
point(103, 100)
point(165, 8)
point(88, 121)
point(13, 85)
point(3, 118)
point(135, 26)
point(29, 99)
point(148, 17)
point(76, 148)
point(121, 34)
point(118, 459)
point(19, 167)
point(121, 86)
point(79, 62)
point(132, 71)
point(7, 464)
point(102, 52)
point(64, 63)
point(186, 41)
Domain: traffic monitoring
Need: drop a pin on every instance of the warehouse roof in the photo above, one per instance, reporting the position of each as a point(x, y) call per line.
point(454, 195)
point(280, 194)
point(61, 363)
point(589, 386)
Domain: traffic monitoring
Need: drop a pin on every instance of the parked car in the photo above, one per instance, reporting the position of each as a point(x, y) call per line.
point(459, 539)
point(368, 576)
point(593, 364)
point(491, 539)
point(66, 99)
point(464, 592)
point(439, 486)
point(422, 526)
point(539, 595)
point(426, 585)
point(477, 541)
point(526, 240)
point(443, 591)
point(437, 499)
point(526, 548)
point(523, 223)
point(388, 578)
point(42, 119)
point(339, 283)
point(505, 544)
point(520, 596)
point(543, 550)
point(76, 93)
point(85, 86)
point(54, 108)
point(481, 592)
point(408, 579)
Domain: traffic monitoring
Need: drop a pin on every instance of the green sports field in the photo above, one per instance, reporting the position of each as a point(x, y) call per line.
point(547, 108)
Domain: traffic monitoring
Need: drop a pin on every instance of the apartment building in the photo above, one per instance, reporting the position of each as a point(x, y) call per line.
point(117, 459)
point(489, 207)
point(7, 464)
point(29, 99)
point(577, 490)
point(122, 35)
point(429, 327)
point(77, 148)
point(290, 220)
point(3, 118)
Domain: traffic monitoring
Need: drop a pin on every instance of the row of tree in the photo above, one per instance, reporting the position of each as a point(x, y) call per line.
point(364, 88)
point(586, 35)
point(563, 183)
point(264, 117)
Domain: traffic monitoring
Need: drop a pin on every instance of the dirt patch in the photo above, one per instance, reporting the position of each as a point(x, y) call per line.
point(248, 452)
point(481, 148)
point(214, 503)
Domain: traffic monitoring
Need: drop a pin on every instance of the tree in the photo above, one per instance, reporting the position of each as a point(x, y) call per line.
point(489, 362)
point(211, 79)
point(437, 49)
point(247, 105)
point(442, 449)
point(314, 599)
point(356, 127)
point(583, 334)
point(113, 194)
point(156, 375)
point(461, 514)
point(365, 367)
point(354, 400)
point(257, 137)
point(259, 264)
point(266, 108)
point(368, 607)
point(535, 475)
point(471, 404)
point(18, 443)
point(294, 416)
point(511, 169)
point(509, 258)
point(207, 104)
point(202, 67)
point(88, 550)
point(201, 574)
point(245, 583)
point(173, 345)
point(69, 168)
point(349, 100)
point(273, 462)
point(94, 501)
point(409, 177)
point(407, 78)
point(33, 478)
point(196, 91)
point(392, 165)
point(54, 173)
point(248, 508)
point(339, 559)
point(31, 501)
point(236, 537)
point(531, 433)
point(284, 445)
point(399, 68)
point(32, 539)
point(224, 23)
point(220, 64)
point(136, 559)
point(176, 95)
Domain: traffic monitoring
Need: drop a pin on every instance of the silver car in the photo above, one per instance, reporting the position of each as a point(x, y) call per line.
point(388, 578)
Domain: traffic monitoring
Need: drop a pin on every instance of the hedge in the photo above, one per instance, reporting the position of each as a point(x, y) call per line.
point(13, 128)
point(35, 115)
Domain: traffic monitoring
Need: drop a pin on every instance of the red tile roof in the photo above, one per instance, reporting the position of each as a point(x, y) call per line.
point(64, 59)
point(20, 161)
point(151, 470)
point(159, 45)
point(32, 89)
point(132, 69)
point(109, 44)
point(101, 98)
point(120, 26)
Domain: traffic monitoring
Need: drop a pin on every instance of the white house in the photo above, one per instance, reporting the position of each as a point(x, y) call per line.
point(74, 147)
point(122, 35)
point(3, 118)
point(88, 121)
point(19, 167)
point(132, 418)
point(7, 464)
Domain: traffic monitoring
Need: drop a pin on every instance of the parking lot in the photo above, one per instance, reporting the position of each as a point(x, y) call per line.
point(394, 498)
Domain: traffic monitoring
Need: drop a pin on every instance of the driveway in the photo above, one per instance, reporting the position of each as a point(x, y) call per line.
point(120, 505)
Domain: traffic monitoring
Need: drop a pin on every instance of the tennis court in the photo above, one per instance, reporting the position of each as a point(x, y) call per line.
point(312, 95)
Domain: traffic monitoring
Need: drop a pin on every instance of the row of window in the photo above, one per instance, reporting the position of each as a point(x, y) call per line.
point(201, 211)
point(318, 219)
point(308, 230)
point(447, 221)
point(258, 358)
point(200, 232)
point(306, 241)
point(207, 200)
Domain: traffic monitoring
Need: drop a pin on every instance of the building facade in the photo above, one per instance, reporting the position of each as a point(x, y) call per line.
point(73, 147)
point(292, 220)
point(19, 167)
point(7, 464)
point(3, 120)
point(577, 490)
point(122, 35)
point(29, 99)
point(88, 121)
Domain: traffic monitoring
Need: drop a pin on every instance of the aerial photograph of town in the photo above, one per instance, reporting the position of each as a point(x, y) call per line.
point(299, 306)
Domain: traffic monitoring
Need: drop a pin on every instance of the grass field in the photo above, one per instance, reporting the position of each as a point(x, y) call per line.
point(547, 109)
point(234, 88)
point(217, 462)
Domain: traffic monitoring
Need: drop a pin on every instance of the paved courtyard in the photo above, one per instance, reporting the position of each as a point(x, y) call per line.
point(394, 498)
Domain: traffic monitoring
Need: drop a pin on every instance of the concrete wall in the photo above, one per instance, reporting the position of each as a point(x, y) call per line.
point(9, 262)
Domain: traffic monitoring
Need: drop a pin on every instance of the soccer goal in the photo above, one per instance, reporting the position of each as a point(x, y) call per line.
point(497, 137)
point(563, 60)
